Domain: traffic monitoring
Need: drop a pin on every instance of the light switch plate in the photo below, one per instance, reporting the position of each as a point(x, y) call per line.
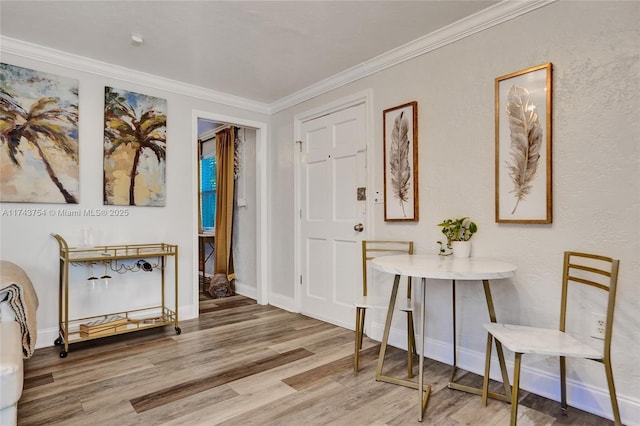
point(362, 194)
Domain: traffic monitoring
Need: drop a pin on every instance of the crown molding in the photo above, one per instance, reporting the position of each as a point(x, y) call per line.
point(485, 19)
point(57, 57)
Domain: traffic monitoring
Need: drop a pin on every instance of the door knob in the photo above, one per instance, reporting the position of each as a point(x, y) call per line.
point(358, 227)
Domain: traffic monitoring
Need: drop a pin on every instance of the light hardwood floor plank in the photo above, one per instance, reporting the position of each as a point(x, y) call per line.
point(241, 363)
point(192, 387)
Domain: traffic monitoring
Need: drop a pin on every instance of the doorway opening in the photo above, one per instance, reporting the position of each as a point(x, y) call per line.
point(250, 207)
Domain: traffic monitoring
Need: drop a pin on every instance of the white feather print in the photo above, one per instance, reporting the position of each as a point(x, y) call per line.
point(399, 166)
point(526, 142)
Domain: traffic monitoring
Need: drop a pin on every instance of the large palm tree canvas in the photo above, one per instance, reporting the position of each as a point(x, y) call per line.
point(38, 137)
point(134, 148)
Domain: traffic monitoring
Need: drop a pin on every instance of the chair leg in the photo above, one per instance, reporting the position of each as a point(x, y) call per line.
point(515, 389)
point(563, 384)
point(487, 368)
point(414, 346)
point(363, 311)
point(612, 391)
point(411, 344)
point(359, 332)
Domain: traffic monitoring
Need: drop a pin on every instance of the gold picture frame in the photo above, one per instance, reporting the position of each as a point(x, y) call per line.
point(400, 126)
point(523, 146)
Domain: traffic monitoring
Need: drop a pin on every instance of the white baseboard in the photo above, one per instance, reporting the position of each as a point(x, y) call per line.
point(282, 302)
point(584, 397)
point(246, 290)
point(47, 336)
point(188, 312)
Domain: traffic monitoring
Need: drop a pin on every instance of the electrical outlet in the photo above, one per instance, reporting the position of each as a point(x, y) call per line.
point(598, 323)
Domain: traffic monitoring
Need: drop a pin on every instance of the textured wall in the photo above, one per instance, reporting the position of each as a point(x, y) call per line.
point(244, 217)
point(594, 47)
point(26, 240)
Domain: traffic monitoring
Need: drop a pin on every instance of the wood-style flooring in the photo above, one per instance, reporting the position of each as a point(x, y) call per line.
point(245, 364)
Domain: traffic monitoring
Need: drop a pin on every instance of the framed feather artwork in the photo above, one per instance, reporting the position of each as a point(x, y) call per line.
point(400, 125)
point(523, 146)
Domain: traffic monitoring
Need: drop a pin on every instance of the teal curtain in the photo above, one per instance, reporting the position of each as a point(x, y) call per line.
point(208, 192)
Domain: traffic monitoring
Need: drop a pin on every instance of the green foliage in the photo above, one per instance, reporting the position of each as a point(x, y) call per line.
point(458, 230)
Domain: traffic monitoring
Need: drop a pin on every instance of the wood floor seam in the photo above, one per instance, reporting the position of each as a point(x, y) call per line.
point(192, 387)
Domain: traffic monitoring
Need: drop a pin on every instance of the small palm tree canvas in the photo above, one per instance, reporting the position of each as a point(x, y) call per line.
point(134, 148)
point(39, 160)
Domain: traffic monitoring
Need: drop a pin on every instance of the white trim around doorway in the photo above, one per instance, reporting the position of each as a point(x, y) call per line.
point(262, 254)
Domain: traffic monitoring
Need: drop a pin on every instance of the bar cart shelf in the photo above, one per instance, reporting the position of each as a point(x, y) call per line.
point(118, 258)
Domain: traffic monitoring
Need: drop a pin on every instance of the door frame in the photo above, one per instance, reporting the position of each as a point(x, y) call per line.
point(364, 97)
point(262, 202)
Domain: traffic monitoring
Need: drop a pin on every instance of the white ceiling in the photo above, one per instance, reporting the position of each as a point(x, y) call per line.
point(259, 50)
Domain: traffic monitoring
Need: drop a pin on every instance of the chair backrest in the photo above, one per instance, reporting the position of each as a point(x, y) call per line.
point(596, 271)
point(375, 248)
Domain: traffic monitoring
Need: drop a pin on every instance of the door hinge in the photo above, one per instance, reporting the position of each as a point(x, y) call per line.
point(300, 145)
point(300, 279)
point(300, 213)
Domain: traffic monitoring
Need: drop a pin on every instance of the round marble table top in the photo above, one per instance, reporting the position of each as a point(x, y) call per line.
point(444, 267)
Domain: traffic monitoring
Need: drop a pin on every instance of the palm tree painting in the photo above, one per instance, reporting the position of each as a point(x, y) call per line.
point(39, 160)
point(134, 148)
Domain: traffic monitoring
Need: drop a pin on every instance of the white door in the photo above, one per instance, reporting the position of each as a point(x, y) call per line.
point(332, 169)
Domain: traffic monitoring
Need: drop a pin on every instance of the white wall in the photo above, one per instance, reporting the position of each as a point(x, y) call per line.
point(244, 217)
point(594, 48)
point(27, 241)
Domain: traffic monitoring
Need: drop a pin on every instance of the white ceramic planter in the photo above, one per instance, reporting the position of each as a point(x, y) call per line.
point(461, 248)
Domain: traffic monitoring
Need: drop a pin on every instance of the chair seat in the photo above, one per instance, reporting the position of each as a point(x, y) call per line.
point(404, 305)
point(523, 339)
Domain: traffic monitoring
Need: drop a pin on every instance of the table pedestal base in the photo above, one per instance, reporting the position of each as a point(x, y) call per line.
point(503, 368)
point(425, 391)
point(441, 268)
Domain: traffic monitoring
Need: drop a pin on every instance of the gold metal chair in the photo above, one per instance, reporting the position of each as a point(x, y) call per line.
point(579, 268)
point(371, 249)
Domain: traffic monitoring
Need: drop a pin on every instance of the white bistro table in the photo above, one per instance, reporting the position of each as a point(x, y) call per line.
point(441, 268)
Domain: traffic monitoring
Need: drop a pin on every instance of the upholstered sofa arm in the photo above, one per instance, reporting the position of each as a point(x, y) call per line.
point(11, 371)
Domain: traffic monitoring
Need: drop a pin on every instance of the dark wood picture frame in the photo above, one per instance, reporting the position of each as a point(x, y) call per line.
point(400, 125)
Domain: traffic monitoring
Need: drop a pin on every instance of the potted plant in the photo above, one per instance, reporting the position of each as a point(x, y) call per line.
point(458, 233)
